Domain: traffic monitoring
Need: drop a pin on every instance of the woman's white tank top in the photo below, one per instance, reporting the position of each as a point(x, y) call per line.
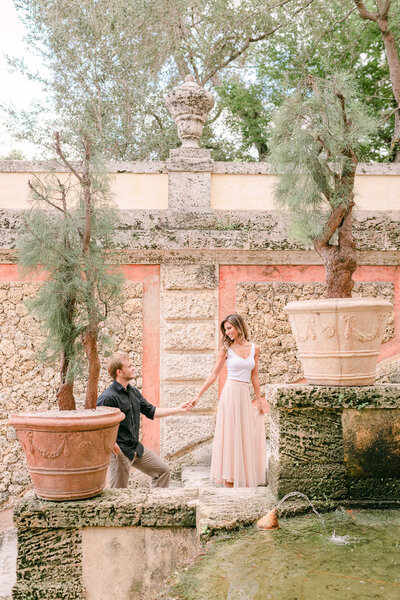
point(240, 368)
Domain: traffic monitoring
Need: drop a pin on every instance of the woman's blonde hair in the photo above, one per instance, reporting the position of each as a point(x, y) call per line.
point(238, 322)
point(115, 361)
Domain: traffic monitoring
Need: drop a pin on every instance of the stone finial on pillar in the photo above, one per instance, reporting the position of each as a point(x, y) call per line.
point(189, 105)
point(189, 166)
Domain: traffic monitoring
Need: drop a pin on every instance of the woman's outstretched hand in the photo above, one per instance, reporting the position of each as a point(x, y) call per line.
point(260, 406)
point(191, 404)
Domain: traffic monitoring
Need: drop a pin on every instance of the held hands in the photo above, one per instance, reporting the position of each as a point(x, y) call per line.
point(192, 403)
point(185, 407)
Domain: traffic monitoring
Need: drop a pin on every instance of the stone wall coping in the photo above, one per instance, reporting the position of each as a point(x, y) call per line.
point(292, 396)
point(169, 507)
point(219, 168)
point(43, 166)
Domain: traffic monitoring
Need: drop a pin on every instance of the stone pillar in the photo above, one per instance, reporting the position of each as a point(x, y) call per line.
point(188, 349)
point(189, 167)
point(335, 442)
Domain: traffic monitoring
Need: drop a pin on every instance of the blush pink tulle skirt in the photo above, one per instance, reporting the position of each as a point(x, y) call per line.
point(239, 447)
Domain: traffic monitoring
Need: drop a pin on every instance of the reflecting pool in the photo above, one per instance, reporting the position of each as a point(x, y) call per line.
point(359, 559)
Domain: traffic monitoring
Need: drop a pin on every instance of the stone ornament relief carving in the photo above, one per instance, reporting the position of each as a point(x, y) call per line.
point(352, 332)
point(83, 447)
point(46, 453)
point(189, 105)
point(309, 332)
point(327, 331)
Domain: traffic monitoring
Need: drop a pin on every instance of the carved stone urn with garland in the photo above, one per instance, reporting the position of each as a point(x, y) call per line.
point(313, 150)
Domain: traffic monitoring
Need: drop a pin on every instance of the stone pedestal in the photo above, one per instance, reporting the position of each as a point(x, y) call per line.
point(335, 442)
point(122, 544)
point(189, 179)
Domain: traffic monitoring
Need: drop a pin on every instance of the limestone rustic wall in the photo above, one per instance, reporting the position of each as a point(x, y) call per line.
point(262, 306)
point(194, 218)
point(27, 385)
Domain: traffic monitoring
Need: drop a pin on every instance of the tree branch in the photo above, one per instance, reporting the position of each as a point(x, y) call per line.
point(251, 40)
point(334, 221)
point(365, 14)
point(66, 162)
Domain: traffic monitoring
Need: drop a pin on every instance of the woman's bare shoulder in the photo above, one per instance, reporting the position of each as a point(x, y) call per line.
point(256, 347)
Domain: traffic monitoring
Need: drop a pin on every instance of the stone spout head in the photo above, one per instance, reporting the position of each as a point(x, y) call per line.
point(189, 105)
point(269, 521)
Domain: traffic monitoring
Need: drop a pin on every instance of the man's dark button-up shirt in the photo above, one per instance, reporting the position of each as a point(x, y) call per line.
point(131, 402)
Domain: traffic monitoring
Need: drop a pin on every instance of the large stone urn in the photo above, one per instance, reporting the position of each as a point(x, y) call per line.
point(338, 339)
point(189, 105)
point(68, 452)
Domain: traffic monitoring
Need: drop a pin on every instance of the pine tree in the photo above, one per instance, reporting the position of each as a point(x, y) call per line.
point(313, 149)
point(67, 234)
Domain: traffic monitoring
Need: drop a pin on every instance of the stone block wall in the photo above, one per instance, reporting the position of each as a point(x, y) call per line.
point(28, 385)
point(335, 443)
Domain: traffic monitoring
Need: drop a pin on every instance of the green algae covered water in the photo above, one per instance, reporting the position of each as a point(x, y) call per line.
point(300, 561)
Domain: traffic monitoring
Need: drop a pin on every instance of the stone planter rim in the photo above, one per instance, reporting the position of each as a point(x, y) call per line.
point(333, 304)
point(67, 420)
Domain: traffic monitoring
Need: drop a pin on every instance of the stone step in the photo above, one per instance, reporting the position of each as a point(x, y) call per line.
point(196, 476)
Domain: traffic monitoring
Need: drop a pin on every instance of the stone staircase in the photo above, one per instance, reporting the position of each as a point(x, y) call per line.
point(195, 476)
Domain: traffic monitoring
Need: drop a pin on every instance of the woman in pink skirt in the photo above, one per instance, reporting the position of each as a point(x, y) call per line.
point(238, 455)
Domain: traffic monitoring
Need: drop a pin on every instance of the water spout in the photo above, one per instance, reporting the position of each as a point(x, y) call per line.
point(270, 520)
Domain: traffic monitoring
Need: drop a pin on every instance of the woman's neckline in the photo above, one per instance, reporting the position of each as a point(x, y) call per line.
point(236, 354)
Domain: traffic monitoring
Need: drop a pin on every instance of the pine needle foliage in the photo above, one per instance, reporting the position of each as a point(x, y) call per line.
point(67, 235)
point(312, 150)
point(314, 144)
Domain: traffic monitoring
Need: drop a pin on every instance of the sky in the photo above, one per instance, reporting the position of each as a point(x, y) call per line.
point(14, 87)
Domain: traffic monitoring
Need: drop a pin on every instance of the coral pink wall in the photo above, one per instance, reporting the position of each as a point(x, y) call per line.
point(149, 275)
point(230, 275)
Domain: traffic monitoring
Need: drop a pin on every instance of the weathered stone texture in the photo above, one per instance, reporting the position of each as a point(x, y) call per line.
point(113, 508)
point(388, 371)
point(187, 366)
point(194, 305)
point(328, 441)
point(173, 393)
point(132, 562)
point(185, 432)
point(198, 455)
point(191, 277)
point(220, 511)
point(57, 575)
point(255, 230)
point(333, 397)
point(189, 336)
point(308, 436)
point(189, 190)
point(261, 304)
point(28, 385)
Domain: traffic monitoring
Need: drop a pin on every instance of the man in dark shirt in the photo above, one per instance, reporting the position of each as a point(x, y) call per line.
point(128, 450)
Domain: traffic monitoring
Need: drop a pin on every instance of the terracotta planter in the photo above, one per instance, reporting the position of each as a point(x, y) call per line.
point(338, 339)
point(68, 452)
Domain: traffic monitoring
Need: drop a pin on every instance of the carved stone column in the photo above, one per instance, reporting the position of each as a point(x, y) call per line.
point(189, 166)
